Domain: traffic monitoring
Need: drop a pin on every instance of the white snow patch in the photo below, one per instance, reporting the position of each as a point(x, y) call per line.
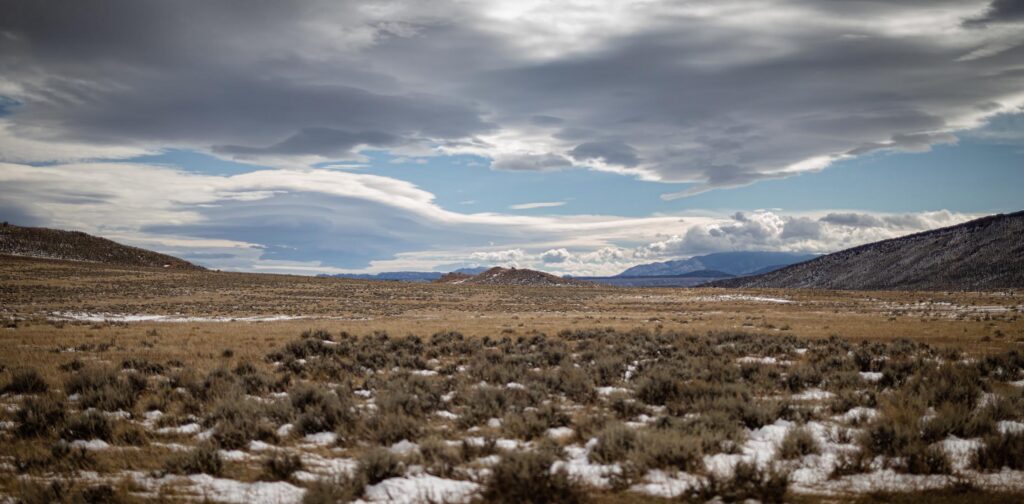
point(813, 394)
point(143, 317)
point(404, 447)
point(321, 439)
point(871, 376)
point(578, 466)
point(92, 444)
point(285, 430)
point(421, 488)
point(607, 391)
point(662, 484)
point(560, 432)
point(1010, 427)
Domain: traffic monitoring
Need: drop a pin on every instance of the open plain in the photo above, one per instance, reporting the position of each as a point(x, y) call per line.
point(135, 384)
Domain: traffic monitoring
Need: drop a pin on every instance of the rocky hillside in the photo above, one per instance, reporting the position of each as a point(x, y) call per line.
point(511, 276)
point(79, 246)
point(982, 254)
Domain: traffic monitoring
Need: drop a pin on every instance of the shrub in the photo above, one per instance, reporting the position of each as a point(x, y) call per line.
point(388, 429)
point(922, 459)
point(1005, 450)
point(105, 388)
point(438, 457)
point(89, 425)
point(797, 443)
point(280, 465)
point(666, 449)
point(320, 411)
point(237, 421)
point(614, 443)
point(203, 459)
point(526, 477)
point(334, 490)
point(379, 464)
point(747, 482)
point(40, 416)
point(26, 381)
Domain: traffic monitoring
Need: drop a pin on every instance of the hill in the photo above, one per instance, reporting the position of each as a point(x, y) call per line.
point(982, 254)
point(393, 276)
point(733, 263)
point(510, 276)
point(78, 246)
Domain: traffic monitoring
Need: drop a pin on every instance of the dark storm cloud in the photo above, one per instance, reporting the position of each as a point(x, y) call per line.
point(666, 91)
point(999, 11)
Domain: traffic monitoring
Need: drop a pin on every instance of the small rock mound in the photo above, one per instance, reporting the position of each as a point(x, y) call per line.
point(511, 276)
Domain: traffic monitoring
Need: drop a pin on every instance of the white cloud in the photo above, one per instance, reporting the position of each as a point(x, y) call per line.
point(540, 204)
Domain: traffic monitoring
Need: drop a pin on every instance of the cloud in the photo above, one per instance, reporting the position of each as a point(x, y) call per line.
point(314, 221)
point(555, 256)
point(999, 11)
point(540, 204)
point(716, 95)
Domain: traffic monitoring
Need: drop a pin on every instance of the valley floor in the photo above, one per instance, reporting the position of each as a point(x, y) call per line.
point(138, 384)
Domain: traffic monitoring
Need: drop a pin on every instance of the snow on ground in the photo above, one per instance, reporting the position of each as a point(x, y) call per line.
point(743, 297)
point(858, 414)
point(404, 447)
point(92, 444)
point(188, 429)
point(753, 359)
point(813, 394)
point(560, 432)
point(1010, 427)
point(421, 488)
point(578, 465)
point(144, 317)
point(321, 439)
point(663, 484)
point(871, 376)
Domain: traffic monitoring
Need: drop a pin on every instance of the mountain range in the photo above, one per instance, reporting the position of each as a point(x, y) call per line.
point(733, 263)
point(983, 254)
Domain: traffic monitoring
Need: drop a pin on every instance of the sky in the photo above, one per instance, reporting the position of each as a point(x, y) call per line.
point(577, 137)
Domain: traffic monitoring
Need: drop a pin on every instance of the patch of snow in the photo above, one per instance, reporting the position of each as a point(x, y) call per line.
point(515, 386)
point(321, 439)
point(743, 297)
point(234, 455)
point(560, 432)
point(92, 444)
point(421, 488)
point(607, 391)
point(447, 415)
point(858, 414)
point(285, 430)
point(662, 484)
point(231, 491)
point(1010, 427)
point(143, 317)
point(257, 446)
point(404, 447)
point(494, 423)
point(959, 451)
point(871, 376)
point(424, 372)
point(578, 466)
point(813, 394)
point(751, 359)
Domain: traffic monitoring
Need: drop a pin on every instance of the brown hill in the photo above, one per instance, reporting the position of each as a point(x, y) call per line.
point(511, 276)
point(78, 246)
point(983, 254)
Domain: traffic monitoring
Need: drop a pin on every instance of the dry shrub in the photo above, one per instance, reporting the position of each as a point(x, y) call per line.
point(526, 477)
point(797, 443)
point(26, 381)
point(202, 459)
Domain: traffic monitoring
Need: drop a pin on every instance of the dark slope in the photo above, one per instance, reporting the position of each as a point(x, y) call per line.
point(982, 254)
point(79, 246)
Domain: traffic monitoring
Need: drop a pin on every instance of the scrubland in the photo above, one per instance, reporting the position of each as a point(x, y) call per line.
point(121, 385)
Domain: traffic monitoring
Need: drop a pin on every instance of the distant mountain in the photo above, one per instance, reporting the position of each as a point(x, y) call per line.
point(399, 276)
point(511, 276)
point(78, 246)
point(404, 276)
point(733, 263)
point(982, 254)
point(684, 280)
